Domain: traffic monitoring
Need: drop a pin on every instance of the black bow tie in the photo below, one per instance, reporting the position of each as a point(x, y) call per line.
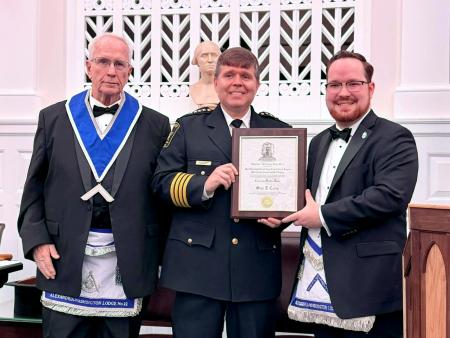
point(236, 123)
point(343, 134)
point(99, 111)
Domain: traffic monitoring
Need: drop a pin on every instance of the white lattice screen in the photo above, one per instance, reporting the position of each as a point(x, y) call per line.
point(293, 39)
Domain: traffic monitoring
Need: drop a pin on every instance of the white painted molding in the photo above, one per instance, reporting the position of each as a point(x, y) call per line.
point(16, 92)
point(419, 127)
point(422, 102)
point(422, 88)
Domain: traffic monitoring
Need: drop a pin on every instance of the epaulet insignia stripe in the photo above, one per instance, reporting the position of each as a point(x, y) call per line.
point(183, 191)
point(270, 116)
point(199, 111)
point(172, 188)
point(178, 189)
point(202, 110)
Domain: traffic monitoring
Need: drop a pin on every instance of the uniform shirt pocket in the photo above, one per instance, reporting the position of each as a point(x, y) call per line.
point(377, 248)
point(193, 234)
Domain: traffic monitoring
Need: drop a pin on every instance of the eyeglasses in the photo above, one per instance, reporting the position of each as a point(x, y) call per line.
point(352, 86)
point(106, 63)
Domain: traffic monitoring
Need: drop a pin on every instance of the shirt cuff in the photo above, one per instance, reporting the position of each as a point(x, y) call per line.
point(205, 196)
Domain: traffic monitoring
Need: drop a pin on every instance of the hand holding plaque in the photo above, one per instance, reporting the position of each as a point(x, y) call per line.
point(271, 165)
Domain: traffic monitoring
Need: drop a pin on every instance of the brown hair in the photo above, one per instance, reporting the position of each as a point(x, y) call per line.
point(238, 57)
point(368, 68)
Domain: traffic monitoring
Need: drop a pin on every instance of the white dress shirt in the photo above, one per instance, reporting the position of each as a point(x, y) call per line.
point(245, 119)
point(334, 155)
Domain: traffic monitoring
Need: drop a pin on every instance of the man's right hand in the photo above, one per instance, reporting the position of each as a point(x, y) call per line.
point(223, 175)
point(43, 255)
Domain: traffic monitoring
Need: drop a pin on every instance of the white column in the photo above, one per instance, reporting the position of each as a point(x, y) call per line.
point(51, 51)
point(32, 76)
point(424, 89)
point(18, 80)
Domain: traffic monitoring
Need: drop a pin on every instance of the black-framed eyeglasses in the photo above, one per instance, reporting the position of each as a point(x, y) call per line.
point(352, 86)
point(106, 63)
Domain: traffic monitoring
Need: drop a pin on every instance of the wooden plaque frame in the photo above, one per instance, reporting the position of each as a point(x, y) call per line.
point(268, 133)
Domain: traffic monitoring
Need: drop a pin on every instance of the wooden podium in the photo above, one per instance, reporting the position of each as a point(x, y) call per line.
point(426, 267)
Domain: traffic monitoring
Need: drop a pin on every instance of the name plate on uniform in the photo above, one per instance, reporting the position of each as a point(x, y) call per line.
point(272, 172)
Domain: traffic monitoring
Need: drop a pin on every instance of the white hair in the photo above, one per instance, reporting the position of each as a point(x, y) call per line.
point(100, 37)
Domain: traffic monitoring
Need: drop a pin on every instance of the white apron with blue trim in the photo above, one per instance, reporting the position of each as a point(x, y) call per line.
point(311, 302)
point(102, 294)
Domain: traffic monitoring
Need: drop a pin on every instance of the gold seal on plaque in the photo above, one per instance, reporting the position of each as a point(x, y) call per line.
point(266, 201)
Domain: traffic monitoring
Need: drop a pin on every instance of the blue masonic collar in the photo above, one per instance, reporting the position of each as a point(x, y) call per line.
point(101, 152)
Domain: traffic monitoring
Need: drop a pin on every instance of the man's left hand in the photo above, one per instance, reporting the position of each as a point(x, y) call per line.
point(308, 217)
point(270, 222)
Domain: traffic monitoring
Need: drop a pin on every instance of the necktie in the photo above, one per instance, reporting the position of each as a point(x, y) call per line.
point(343, 134)
point(236, 123)
point(99, 111)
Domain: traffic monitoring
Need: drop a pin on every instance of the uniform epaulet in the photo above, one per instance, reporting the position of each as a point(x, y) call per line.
point(199, 111)
point(202, 110)
point(270, 116)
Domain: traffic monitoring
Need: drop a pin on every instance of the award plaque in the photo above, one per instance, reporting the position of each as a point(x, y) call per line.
point(271, 163)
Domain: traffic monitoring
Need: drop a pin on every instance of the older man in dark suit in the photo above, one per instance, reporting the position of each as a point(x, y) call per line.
point(88, 218)
point(362, 173)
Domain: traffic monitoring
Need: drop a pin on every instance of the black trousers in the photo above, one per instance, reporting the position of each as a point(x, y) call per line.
point(389, 325)
point(61, 325)
point(195, 316)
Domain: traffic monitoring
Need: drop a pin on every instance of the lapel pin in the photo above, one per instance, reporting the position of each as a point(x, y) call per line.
point(364, 135)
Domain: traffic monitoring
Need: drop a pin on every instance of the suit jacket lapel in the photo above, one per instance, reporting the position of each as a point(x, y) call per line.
point(358, 139)
point(322, 153)
point(122, 162)
point(83, 165)
point(218, 131)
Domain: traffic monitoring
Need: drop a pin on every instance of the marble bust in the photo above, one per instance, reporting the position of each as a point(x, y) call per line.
point(202, 92)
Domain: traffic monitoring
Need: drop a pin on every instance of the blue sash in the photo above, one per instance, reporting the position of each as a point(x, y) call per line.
point(101, 152)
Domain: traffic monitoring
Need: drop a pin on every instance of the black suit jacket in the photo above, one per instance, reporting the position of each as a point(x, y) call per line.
point(365, 212)
point(53, 212)
point(200, 257)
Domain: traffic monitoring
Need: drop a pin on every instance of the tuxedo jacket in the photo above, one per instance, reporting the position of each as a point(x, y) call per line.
point(365, 213)
point(207, 252)
point(53, 212)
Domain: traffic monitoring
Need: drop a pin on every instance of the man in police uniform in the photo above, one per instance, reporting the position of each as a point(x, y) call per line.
point(218, 266)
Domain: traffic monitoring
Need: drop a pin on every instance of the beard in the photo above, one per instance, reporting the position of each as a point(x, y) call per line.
point(347, 112)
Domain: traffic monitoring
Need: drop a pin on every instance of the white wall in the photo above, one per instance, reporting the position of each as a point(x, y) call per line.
point(32, 76)
point(410, 46)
